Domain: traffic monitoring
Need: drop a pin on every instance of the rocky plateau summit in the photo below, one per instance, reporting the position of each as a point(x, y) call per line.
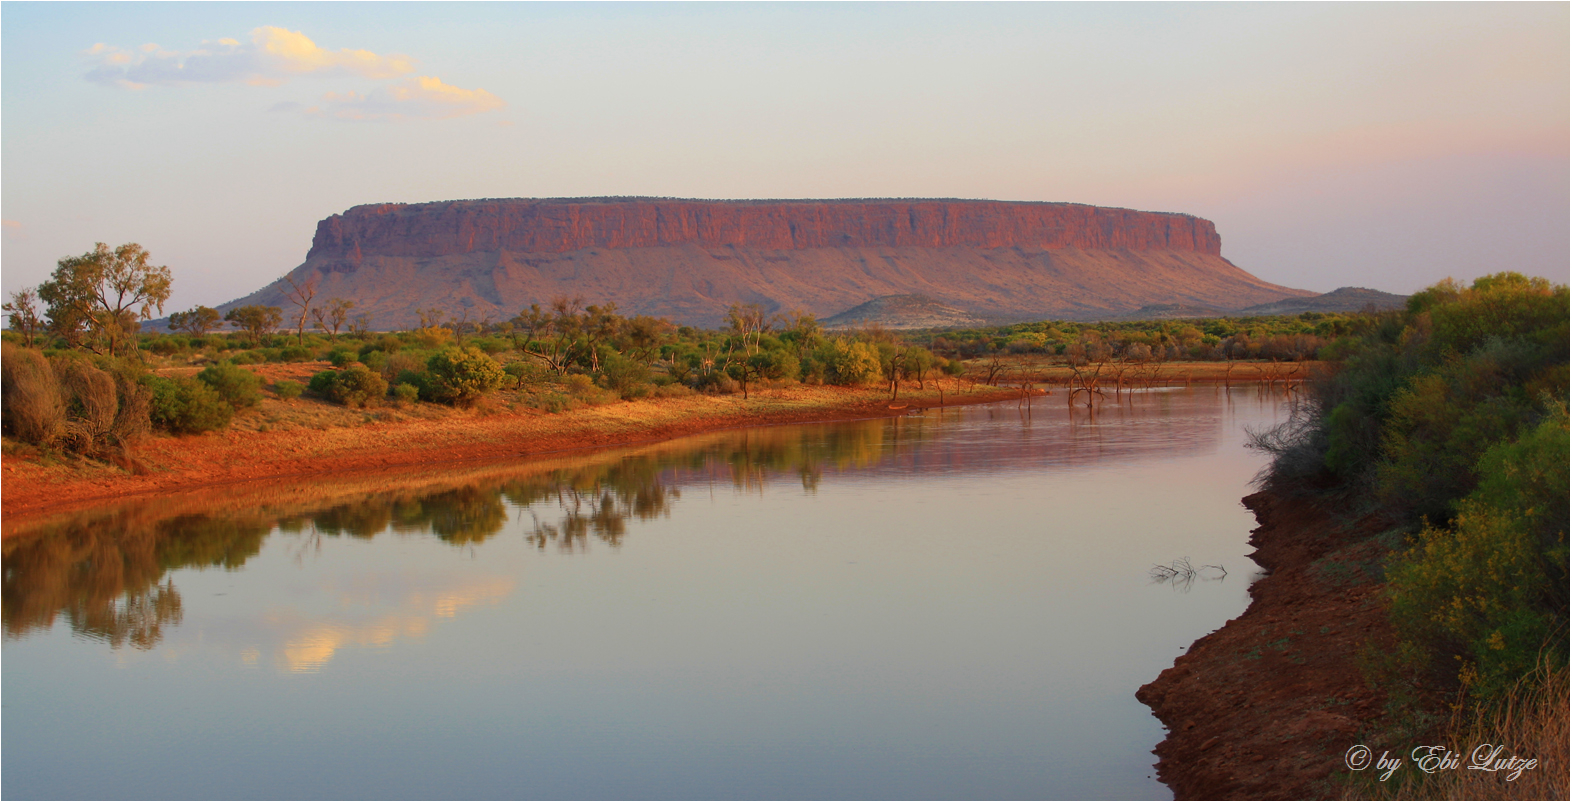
point(690, 260)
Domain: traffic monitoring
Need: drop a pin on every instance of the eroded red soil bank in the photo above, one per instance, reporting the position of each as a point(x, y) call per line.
point(1266, 706)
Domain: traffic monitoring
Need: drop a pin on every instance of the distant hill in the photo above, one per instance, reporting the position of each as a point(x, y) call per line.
point(689, 260)
point(1171, 312)
point(903, 312)
point(1342, 299)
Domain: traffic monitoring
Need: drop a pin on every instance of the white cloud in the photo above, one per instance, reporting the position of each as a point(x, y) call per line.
point(422, 98)
point(274, 55)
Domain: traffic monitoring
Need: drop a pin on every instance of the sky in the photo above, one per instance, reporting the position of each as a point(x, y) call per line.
point(1376, 145)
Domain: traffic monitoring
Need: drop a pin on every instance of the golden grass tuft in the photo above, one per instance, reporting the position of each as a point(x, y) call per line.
point(1530, 723)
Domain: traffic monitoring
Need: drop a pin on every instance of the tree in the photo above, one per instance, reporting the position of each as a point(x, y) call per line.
point(106, 292)
point(22, 311)
point(197, 322)
point(300, 292)
point(333, 316)
point(748, 322)
point(255, 320)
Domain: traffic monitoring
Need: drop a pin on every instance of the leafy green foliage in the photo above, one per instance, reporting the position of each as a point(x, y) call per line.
point(354, 386)
point(849, 363)
point(1450, 418)
point(186, 406)
point(342, 358)
point(256, 321)
point(461, 375)
point(1487, 596)
point(239, 387)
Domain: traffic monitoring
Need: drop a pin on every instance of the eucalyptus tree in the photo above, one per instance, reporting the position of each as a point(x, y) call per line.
point(22, 312)
point(105, 293)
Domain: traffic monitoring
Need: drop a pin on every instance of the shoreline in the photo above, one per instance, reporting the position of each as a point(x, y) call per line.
point(1266, 706)
point(166, 465)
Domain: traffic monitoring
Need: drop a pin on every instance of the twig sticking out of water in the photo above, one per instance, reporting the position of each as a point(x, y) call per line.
point(1182, 574)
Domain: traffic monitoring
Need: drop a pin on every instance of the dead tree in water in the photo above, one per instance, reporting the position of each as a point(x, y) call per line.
point(1082, 383)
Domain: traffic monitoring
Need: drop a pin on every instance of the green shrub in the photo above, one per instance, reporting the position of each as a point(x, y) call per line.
point(342, 358)
point(1487, 597)
point(166, 345)
point(849, 363)
point(288, 390)
point(461, 375)
point(256, 357)
point(355, 386)
point(491, 345)
point(186, 406)
point(239, 387)
point(775, 364)
point(291, 353)
point(406, 393)
point(624, 376)
point(376, 360)
point(521, 374)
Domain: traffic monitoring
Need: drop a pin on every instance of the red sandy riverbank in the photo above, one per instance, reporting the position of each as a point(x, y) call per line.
point(1266, 706)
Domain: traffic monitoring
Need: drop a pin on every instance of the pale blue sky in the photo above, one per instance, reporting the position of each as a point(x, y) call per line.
point(1377, 145)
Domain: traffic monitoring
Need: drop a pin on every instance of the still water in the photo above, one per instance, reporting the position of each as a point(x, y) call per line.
point(952, 605)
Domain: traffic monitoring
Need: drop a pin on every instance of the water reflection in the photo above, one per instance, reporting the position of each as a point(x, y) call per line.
point(944, 605)
point(104, 572)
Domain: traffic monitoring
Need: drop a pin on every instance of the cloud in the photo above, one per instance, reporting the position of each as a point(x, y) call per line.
point(273, 56)
point(421, 98)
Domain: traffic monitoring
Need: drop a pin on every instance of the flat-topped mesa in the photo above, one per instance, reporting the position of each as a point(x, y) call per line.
point(557, 226)
point(692, 260)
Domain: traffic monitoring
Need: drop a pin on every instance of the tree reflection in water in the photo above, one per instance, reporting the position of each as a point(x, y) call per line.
point(104, 571)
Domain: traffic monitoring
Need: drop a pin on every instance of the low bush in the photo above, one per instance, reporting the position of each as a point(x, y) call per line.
point(491, 345)
point(167, 345)
point(462, 375)
point(34, 408)
point(376, 360)
point(342, 358)
point(288, 390)
point(355, 386)
point(291, 353)
point(520, 374)
point(406, 393)
point(628, 378)
point(398, 364)
point(186, 406)
point(239, 387)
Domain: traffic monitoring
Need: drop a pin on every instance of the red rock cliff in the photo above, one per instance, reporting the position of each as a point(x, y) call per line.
point(557, 226)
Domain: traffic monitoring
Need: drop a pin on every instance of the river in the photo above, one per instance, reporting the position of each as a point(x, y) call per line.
point(956, 604)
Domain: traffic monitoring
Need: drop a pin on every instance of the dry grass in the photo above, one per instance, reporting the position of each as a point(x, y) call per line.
point(34, 405)
point(1530, 724)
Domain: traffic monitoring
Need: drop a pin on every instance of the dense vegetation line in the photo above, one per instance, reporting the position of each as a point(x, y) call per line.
point(1449, 418)
point(81, 377)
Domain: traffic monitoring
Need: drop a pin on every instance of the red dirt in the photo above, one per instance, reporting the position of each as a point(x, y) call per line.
point(1266, 706)
point(164, 464)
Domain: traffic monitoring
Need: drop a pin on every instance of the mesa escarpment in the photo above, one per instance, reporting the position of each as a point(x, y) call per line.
point(690, 260)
